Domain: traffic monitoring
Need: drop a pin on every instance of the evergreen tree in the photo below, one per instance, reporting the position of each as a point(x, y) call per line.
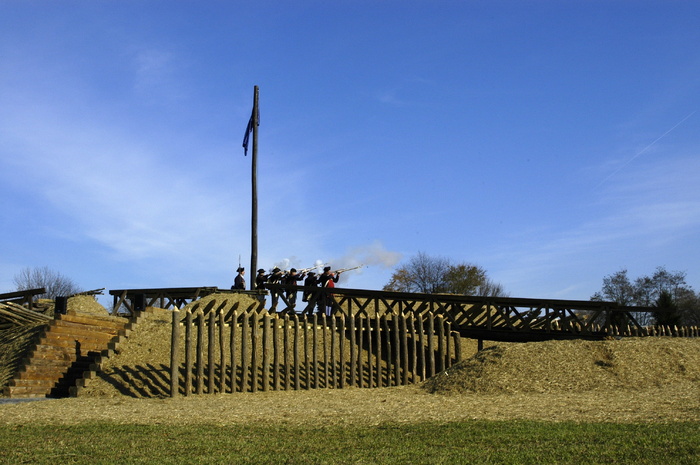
point(667, 313)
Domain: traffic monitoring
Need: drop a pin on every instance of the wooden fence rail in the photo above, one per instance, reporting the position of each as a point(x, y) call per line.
point(249, 351)
point(25, 297)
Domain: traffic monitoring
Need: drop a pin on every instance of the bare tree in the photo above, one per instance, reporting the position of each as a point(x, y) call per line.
point(54, 282)
point(434, 275)
point(490, 288)
point(616, 288)
point(422, 274)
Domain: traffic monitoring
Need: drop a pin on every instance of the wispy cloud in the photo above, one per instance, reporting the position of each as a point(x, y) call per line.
point(657, 207)
point(118, 191)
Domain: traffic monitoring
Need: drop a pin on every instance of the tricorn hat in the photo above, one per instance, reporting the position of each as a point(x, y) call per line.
point(240, 268)
point(261, 270)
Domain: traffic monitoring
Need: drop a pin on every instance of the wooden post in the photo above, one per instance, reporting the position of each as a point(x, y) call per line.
point(232, 350)
point(222, 353)
point(254, 184)
point(404, 349)
point(378, 345)
point(414, 347)
point(200, 353)
point(387, 342)
point(431, 345)
point(285, 355)
point(370, 366)
point(265, 352)
point(448, 343)
point(334, 349)
point(175, 355)
point(307, 364)
point(359, 325)
point(421, 351)
point(341, 349)
point(211, 344)
point(254, 352)
point(314, 347)
point(353, 359)
point(441, 344)
point(326, 371)
point(245, 337)
point(188, 352)
point(276, 352)
point(458, 347)
point(297, 380)
point(397, 350)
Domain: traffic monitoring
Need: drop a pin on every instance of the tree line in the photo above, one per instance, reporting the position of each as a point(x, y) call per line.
point(667, 291)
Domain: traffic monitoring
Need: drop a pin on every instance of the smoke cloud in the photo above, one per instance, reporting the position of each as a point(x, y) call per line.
point(370, 255)
point(373, 254)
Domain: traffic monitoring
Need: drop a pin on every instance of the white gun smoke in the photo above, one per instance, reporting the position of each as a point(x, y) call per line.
point(374, 254)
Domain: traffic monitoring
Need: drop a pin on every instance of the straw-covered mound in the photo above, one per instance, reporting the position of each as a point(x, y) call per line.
point(140, 368)
point(574, 366)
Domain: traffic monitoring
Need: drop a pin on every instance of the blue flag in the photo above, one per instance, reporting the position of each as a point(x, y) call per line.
point(249, 129)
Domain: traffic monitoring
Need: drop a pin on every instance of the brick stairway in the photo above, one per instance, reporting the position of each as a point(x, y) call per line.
point(69, 350)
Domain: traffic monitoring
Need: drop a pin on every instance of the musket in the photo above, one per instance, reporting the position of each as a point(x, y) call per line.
point(348, 269)
point(306, 270)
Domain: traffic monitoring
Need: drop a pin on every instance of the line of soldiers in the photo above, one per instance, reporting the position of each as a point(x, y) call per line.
point(292, 278)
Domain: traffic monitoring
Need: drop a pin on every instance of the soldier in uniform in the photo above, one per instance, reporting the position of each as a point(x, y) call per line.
point(310, 281)
point(274, 278)
point(327, 279)
point(291, 279)
point(239, 280)
point(260, 280)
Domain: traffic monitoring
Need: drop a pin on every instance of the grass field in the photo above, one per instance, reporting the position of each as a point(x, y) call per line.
point(514, 442)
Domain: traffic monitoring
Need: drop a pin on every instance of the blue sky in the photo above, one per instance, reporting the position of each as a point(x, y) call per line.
point(550, 142)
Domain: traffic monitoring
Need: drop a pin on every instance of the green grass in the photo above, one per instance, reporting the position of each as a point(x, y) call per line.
point(513, 442)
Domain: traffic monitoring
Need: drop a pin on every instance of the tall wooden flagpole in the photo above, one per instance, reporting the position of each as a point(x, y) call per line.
point(254, 210)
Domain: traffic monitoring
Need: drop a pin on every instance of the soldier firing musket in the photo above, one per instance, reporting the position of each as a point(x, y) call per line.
point(290, 280)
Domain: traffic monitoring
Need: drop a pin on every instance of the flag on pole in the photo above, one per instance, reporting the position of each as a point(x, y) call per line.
point(254, 119)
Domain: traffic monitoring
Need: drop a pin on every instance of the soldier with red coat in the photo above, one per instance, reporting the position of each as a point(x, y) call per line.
point(325, 301)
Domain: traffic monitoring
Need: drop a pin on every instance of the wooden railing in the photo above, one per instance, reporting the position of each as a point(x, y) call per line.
point(134, 300)
point(227, 350)
point(25, 297)
point(484, 318)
